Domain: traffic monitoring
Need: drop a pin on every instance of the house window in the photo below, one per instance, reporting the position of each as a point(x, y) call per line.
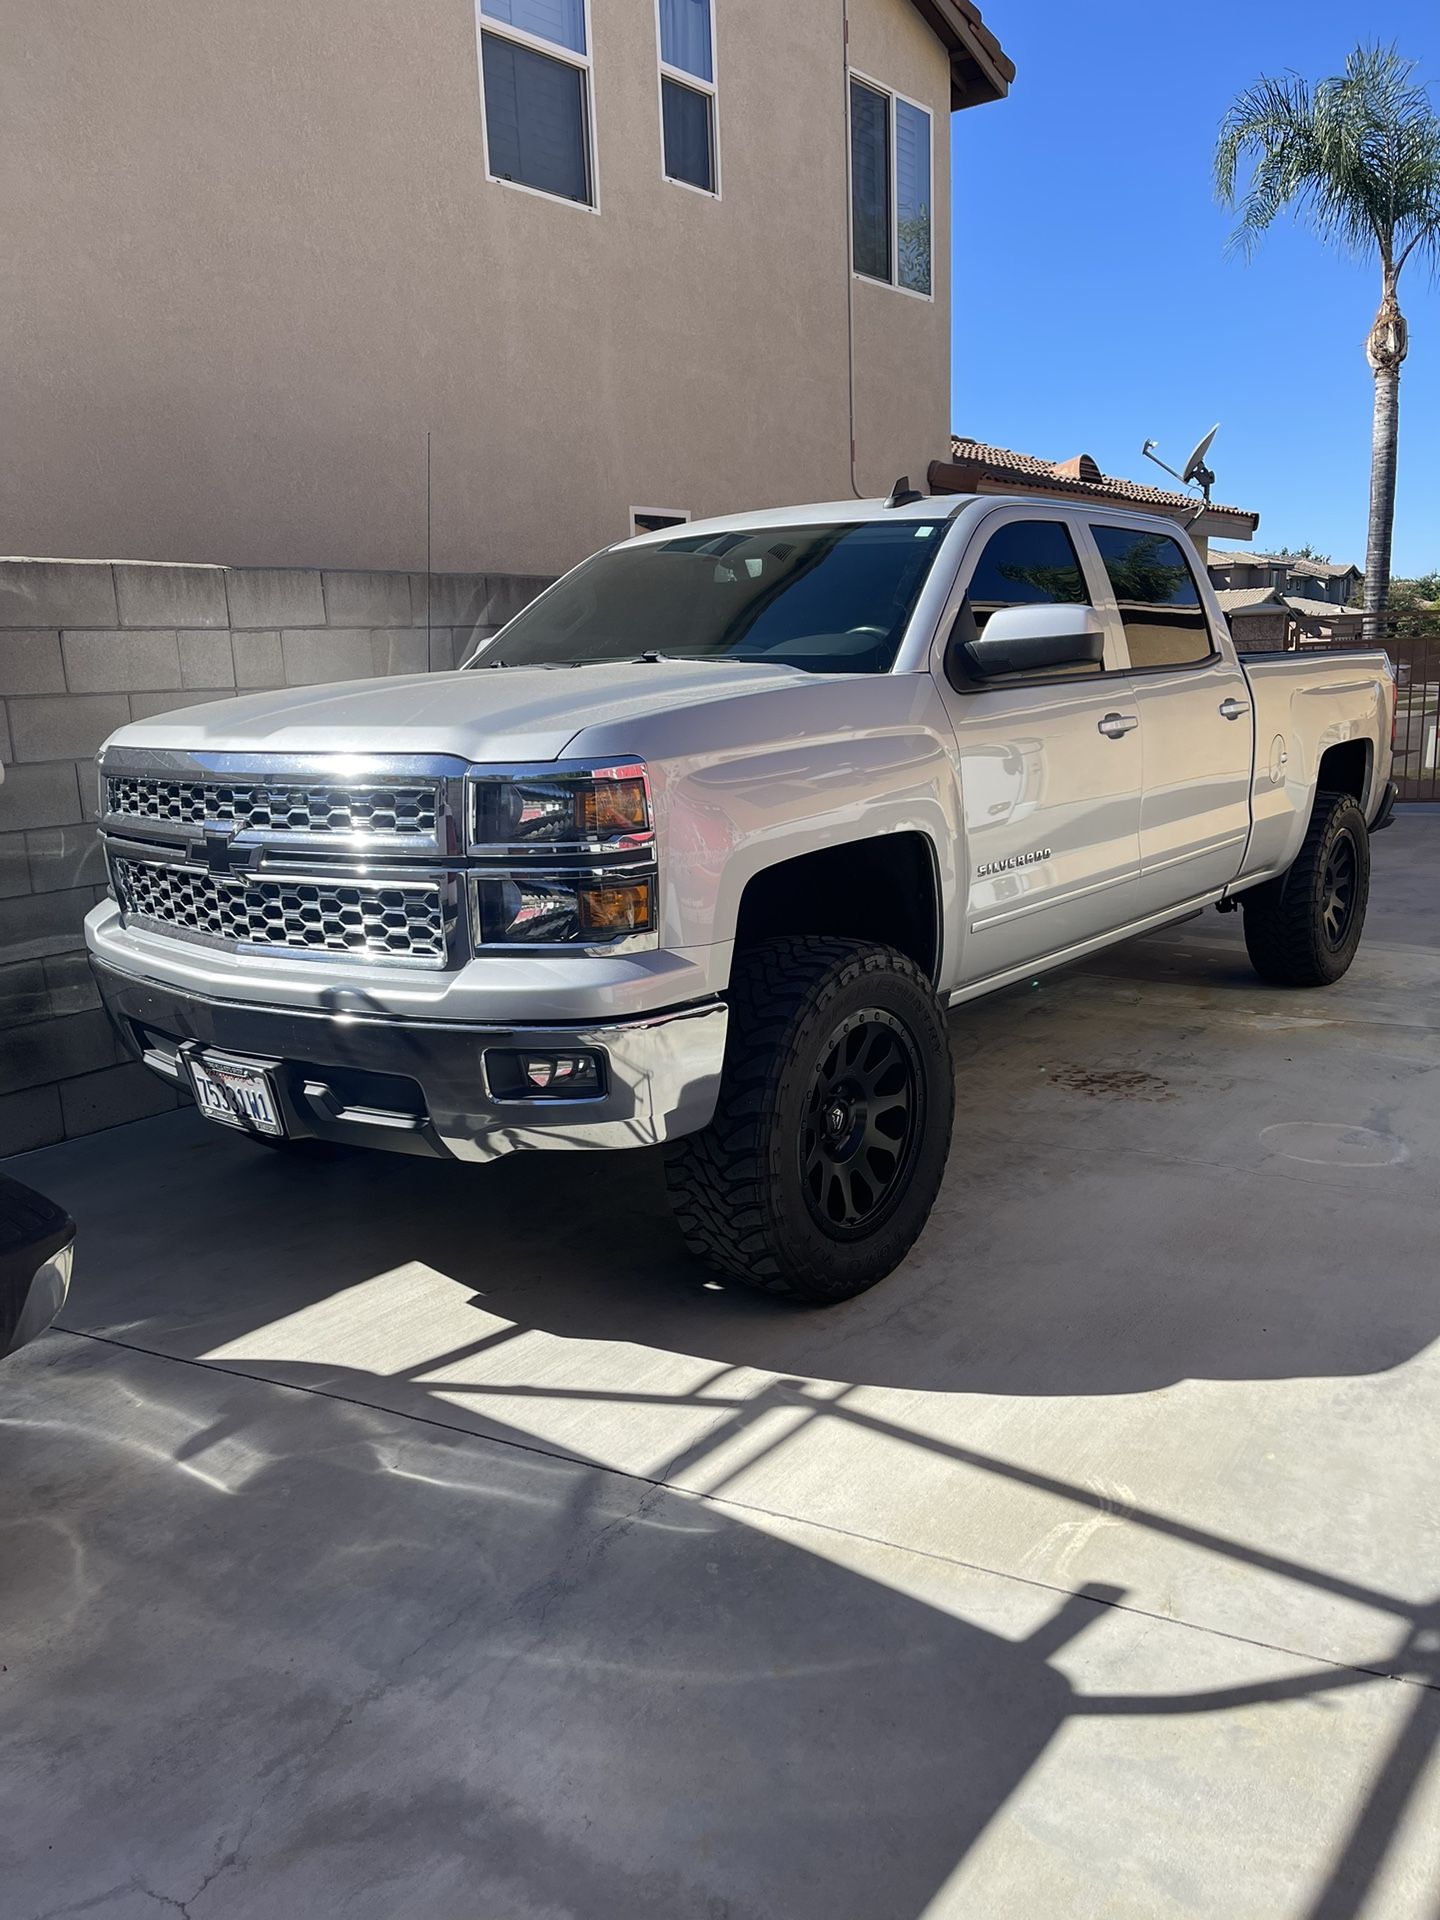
point(535, 73)
point(891, 166)
point(687, 93)
point(870, 180)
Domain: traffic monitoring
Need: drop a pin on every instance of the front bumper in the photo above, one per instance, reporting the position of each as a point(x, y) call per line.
point(421, 1086)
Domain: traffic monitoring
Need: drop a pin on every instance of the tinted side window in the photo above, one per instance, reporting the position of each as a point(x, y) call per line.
point(1028, 563)
point(1159, 601)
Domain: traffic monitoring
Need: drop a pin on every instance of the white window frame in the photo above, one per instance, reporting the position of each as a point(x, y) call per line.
point(552, 49)
point(679, 515)
point(684, 78)
point(894, 97)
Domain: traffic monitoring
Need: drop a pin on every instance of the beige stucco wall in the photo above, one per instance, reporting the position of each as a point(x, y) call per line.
point(902, 343)
point(248, 255)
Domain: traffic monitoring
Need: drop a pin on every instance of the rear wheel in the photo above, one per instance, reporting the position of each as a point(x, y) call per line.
point(1302, 929)
point(832, 1129)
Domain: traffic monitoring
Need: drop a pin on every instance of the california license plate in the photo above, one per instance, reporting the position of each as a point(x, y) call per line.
point(237, 1093)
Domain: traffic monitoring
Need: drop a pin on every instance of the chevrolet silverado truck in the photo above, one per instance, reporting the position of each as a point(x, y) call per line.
point(697, 852)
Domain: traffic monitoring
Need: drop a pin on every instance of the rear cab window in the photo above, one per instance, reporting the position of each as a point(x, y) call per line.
point(1158, 597)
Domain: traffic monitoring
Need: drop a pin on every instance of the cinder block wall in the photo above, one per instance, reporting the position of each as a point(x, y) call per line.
point(86, 646)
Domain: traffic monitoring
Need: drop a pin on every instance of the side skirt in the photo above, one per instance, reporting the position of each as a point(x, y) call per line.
point(1186, 910)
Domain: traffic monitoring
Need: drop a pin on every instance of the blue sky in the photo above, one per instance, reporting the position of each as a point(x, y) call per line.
point(1095, 305)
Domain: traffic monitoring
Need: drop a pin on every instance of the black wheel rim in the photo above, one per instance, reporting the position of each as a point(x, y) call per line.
point(860, 1124)
point(1338, 889)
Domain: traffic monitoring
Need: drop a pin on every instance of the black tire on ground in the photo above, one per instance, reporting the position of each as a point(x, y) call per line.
point(832, 1130)
point(1302, 929)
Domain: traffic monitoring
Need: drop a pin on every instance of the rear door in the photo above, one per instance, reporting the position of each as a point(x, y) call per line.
point(1051, 801)
point(1197, 726)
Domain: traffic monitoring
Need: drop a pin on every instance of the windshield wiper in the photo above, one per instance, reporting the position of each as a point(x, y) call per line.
point(650, 658)
point(547, 665)
point(697, 660)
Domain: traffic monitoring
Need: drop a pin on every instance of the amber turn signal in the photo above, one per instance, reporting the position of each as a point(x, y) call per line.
point(616, 910)
point(612, 807)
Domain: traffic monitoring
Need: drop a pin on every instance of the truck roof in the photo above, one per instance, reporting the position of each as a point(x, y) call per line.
point(931, 509)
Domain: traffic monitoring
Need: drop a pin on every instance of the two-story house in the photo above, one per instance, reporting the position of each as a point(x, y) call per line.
point(1290, 573)
point(621, 260)
point(609, 263)
point(1285, 600)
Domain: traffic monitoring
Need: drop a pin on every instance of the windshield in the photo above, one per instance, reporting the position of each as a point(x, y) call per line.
point(832, 599)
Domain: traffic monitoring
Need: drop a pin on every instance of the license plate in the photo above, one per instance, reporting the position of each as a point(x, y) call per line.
point(237, 1093)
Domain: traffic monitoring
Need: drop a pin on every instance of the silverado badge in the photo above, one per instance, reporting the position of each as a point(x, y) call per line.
point(1011, 861)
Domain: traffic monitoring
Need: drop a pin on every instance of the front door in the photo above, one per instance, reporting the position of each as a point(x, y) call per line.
point(1197, 724)
point(1050, 768)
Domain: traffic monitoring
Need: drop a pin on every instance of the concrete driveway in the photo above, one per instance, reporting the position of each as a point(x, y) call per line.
point(388, 1539)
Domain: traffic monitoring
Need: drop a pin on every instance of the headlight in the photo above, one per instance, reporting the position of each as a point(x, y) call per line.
point(565, 855)
point(561, 810)
point(563, 909)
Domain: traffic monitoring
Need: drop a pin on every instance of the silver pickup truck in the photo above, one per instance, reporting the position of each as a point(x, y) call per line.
point(699, 849)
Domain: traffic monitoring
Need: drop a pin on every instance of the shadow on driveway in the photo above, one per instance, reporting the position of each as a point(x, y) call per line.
point(273, 1653)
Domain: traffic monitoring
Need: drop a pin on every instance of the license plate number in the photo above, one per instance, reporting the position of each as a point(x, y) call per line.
point(237, 1093)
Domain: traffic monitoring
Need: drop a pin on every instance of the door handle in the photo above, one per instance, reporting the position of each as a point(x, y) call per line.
point(1115, 725)
point(1232, 709)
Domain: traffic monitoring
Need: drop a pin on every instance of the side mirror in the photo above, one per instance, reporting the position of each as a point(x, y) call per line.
point(1034, 640)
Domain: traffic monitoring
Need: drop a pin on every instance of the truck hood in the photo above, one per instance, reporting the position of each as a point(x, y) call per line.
point(504, 714)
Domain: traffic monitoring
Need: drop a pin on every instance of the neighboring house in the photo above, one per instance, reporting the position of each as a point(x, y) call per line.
point(1309, 601)
point(625, 263)
point(1265, 619)
point(1317, 580)
point(1321, 623)
point(975, 467)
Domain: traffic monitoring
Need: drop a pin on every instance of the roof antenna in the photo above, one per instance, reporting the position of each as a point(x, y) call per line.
point(1196, 472)
point(902, 494)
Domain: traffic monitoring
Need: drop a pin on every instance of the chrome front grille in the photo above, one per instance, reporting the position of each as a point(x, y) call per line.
point(369, 918)
point(404, 812)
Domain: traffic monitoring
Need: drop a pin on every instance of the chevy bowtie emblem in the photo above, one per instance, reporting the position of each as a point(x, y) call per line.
point(220, 854)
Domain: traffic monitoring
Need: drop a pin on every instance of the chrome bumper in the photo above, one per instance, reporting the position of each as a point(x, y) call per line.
point(421, 1086)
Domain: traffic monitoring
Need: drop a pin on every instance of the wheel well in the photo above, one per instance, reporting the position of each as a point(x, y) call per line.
point(884, 889)
point(1345, 769)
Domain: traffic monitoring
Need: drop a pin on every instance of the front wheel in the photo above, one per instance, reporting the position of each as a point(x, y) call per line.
point(832, 1128)
point(1302, 929)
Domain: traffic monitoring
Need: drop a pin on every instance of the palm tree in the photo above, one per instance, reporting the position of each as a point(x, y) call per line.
point(1357, 157)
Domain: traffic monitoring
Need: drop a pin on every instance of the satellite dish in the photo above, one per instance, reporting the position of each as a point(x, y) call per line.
point(1196, 472)
point(1195, 467)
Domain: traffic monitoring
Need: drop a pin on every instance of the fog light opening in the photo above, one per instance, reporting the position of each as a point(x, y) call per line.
point(574, 1075)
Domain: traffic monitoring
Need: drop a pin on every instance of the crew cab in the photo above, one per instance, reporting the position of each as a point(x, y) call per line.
point(699, 850)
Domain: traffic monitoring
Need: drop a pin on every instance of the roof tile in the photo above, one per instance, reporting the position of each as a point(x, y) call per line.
point(1025, 469)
